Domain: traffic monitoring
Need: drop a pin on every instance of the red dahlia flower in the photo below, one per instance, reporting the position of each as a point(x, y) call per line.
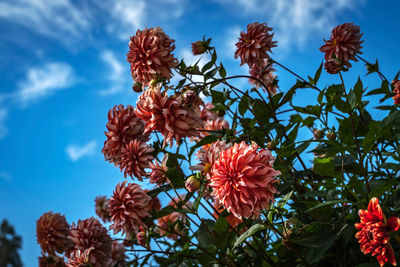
point(396, 91)
point(52, 232)
point(123, 126)
point(92, 240)
point(129, 207)
point(135, 158)
point(344, 44)
point(254, 44)
point(243, 179)
point(150, 55)
point(374, 234)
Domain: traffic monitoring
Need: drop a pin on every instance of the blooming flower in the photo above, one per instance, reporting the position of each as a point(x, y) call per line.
point(332, 66)
point(167, 115)
point(264, 73)
point(158, 174)
point(51, 261)
point(254, 44)
point(344, 44)
point(52, 232)
point(243, 179)
point(374, 234)
point(123, 126)
point(101, 208)
point(396, 91)
point(154, 203)
point(92, 240)
point(198, 48)
point(231, 219)
point(207, 114)
point(117, 253)
point(128, 208)
point(141, 237)
point(79, 258)
point(150, 55)
point(136, 157)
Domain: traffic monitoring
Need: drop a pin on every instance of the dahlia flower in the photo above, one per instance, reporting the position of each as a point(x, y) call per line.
point(254, 44)
point(79, 258)
point(135, 157)
point(52, 232)
point(51, 261)
point(167, 115)
point(158, 174)
point(243, 179)
point(206, 113)
point(141, 237)
point(207, 155)
point(101, 208)
point(165, 223)
point(344, 44)
point(374, 234)
point(117, 253)
point(150, 55)
point(123, 126)
point(396, 91)
point(129, 207)
point(265, 74)
point(154, 203)
point(92, 239)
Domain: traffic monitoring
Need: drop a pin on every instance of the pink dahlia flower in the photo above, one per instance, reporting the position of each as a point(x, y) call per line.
point(243, 179)
point(264, 74)
point(396, 91)
point(154, 203)
point(150, 55)
point(344, 44)
point(158, 174)
point(167, 115)
point(332, 66)
point(52, 232)
point(374, 234)
point(207, 114)
point(129, 207)
point(91, 238)
point(123, 126)
point(135, 158)
point(254, 44)
point(79, 258)
point(101, 208)
point(141, 237)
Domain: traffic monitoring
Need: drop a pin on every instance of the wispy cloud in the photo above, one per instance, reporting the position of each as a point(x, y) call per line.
point(75, 152)
point(52, 18)
point(44, 80)
point(295, 21)
point(3, 126)
point(116, 75)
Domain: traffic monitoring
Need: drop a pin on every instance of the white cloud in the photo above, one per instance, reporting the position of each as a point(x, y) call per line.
point(53, 18)
point(76, 152)
point(294, 21)
point(3, 126)
point(5, 176)
point(116, 75)
point(42, 81)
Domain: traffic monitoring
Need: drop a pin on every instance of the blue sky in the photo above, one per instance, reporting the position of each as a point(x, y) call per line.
point(63, 66)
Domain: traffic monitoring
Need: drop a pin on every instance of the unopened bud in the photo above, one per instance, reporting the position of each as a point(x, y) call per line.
point(331, 136)
point(198, 48)
point(271, 145)
point(192, 184)
point(137, 87)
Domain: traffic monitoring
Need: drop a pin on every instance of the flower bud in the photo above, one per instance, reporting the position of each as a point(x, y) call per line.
point(271, 145)
point(198, 48)
point(318, 134)
point(192, 184)
point(331, 136)
point(137, 87)
point(141, 237)
point(332, 66)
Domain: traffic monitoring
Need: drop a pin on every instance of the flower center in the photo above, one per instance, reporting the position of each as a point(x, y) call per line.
point(207, 167)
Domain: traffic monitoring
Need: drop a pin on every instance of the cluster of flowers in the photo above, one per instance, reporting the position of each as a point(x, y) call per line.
point(239, 177)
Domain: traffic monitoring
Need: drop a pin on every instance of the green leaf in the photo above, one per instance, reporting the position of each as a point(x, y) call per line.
point(324, 166)
point(318, 74)
point(243, 105)
point(251, 231)
point(358, 91)
point(222, 71)
point(199, 196)
point(328, 203)
point(342, 106)
point(282, 202)
point(206, 140)
point(174, 172)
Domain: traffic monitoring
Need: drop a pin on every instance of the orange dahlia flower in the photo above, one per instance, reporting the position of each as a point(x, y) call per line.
point(243, 179)
point(374, 234)
point(254, 44)
point(150, 55)
point(344, 44)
